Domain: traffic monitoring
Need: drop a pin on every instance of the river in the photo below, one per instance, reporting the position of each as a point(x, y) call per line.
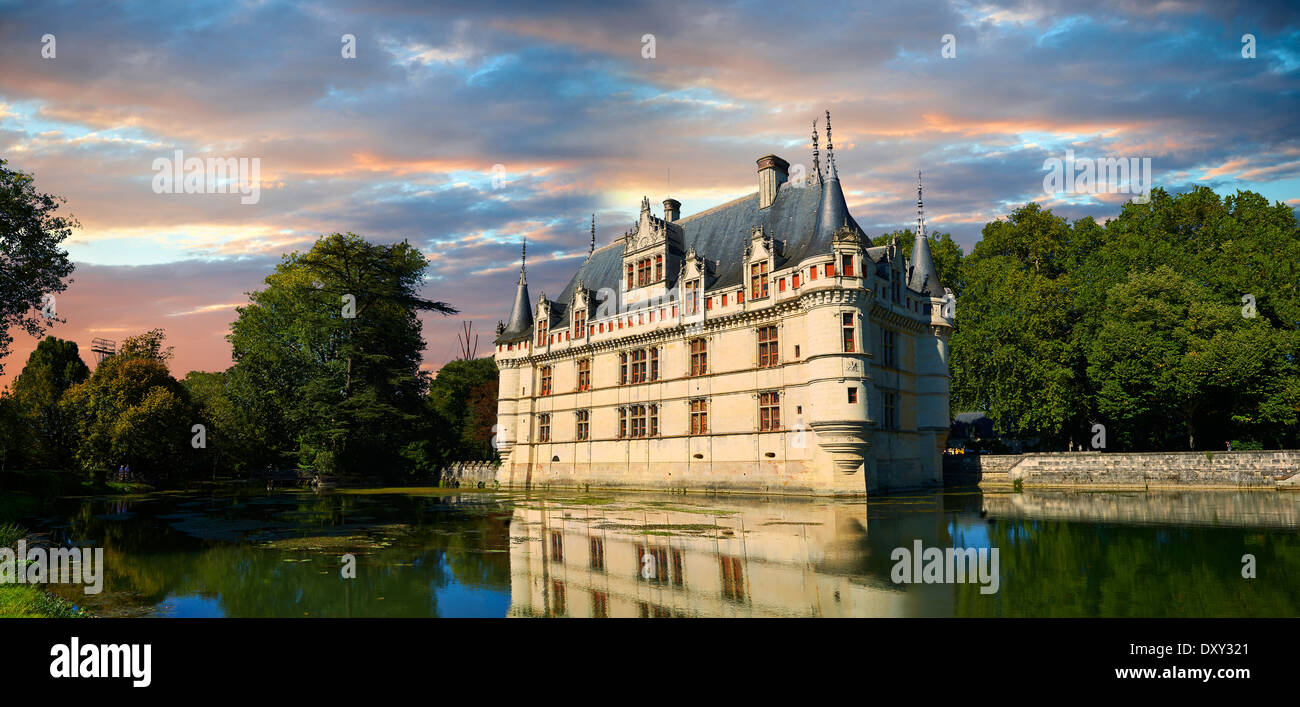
point(429, 552)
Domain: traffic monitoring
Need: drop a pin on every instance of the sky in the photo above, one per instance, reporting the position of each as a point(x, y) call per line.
point(462, 129)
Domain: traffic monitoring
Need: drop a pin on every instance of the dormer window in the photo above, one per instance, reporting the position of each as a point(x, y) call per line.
point(758, 280)
point(580, 323)
point(643, 272)
point(846, 264)
point(659, 268)
point(541, 330)
point(692, 295)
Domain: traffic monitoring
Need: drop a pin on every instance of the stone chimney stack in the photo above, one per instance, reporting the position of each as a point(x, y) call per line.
point(672, 209)
point(772, 173)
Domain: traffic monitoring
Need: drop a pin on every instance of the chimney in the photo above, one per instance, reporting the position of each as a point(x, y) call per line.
point(672, 209)
point(772, 173)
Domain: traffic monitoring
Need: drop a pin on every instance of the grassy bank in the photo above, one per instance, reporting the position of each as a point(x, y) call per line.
point(23, 601)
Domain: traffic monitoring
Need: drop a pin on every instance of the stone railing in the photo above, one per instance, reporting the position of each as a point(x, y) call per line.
point(1258, 468)
point(472, 474)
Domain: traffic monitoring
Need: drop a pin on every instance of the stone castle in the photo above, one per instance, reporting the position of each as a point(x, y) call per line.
point(761, 345)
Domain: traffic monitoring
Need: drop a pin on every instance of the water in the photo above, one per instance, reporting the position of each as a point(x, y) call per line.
point(448, 553)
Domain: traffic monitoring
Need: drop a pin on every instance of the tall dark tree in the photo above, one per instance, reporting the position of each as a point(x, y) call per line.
point(32, 265)
point(53, 367)
point(327, 356)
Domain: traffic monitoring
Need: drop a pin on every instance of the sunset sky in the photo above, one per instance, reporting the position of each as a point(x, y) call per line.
point(400, 142)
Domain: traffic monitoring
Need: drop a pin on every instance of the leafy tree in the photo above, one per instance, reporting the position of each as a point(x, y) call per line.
point(232, 443)
point(31, 263)
point(1015, 352)
point(53, 367)
point(464, 394)
point(132, 411)
point(327, 356)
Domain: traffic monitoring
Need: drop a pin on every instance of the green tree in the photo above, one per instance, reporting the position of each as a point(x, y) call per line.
point(464, 394)
point(53, 367)
point(327, 355)
point(1015, 351)
point(131, 411)
point(31, 263)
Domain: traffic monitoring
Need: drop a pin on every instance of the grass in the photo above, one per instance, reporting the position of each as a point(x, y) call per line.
point(24, 601)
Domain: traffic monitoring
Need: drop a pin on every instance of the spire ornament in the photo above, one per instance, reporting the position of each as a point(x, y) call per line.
point(817, 167)
point(830, 148)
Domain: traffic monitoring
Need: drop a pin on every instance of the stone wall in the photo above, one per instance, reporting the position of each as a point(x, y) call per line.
point(470, 474)
point(1263, 469)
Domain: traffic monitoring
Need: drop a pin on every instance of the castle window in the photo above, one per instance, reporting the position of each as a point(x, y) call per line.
point(830, 269)
point(780, 285)
point(629, 276)
point(699, 416)
point(794, 281)
point(812, 273)
point(652, 417)
point(853, 395)
point(894, 289)
point(692, 296)
point(654, 364)
point(643, 272)
point(622, 369)
point(708, 303)
point(887, 347)
point(544, 427)
point(768, 355)
point(724, 300)
point(622, 423)
point(847, 326)
point(638, 366)
point(580, 323)
point(740, 297)
point(584, 425)
point(890, 419)
point(758, 280)
point(546, 380)
point(584, 374)
point(699, 357)
point(541, 331)
point(659, 268)
point(636, 413)
point(769, 411)
point(846, 264)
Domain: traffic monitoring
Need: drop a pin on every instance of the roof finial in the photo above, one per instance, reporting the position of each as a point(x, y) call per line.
point(830, 147)
point(817, 166)
point(920, 207)
point(592, 249)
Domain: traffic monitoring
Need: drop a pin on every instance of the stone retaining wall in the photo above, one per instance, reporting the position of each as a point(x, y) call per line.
point(468, 474)
point(1264, 469)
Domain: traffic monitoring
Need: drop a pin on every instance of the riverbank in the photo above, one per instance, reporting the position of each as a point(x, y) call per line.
point(23, 601)
point(1262, 469)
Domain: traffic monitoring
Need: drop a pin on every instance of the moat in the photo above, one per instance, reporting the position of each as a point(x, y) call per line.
point(428, 552)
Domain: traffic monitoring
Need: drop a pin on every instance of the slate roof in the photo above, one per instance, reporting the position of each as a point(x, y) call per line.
point(801, 219)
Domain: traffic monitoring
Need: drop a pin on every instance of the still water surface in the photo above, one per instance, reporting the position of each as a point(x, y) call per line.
point(450, 553)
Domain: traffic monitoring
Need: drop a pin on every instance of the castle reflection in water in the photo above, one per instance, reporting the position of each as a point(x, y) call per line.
point(721, 558)
point(731, 556)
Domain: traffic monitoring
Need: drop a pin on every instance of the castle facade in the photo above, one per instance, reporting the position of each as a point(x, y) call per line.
point(761, 345)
